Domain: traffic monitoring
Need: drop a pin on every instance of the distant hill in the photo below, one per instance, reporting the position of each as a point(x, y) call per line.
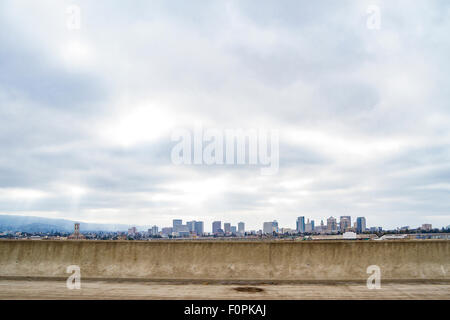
point(39, 224)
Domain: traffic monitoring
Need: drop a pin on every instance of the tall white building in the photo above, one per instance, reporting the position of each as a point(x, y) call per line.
point(241, 228)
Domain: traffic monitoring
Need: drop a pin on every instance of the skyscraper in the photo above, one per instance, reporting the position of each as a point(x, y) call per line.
point(300, 224)
point(275, 226)
point(268, 227)
point(331, 224)
point(345, 223)
point(199, 228)
point(360, 224)
point(176, 223)
point(241, 227)
point(227, 227)
point(216, 225)
point(191, 226)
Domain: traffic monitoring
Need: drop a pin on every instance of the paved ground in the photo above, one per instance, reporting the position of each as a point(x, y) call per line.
point(45, 289)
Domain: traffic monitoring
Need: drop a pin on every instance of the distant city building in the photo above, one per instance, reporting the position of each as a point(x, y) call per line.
point(241, 228)
point(227, 227)
point(199, 228)
point(331, 224)
point(360, 224)
point(132, 231)
point(287, 231)
point(275, 226)
point(167, 231)
point(76, 235)
point(155, 231)
point(345, 223)
point(376, 229)
point(216, 226)
point(301, 224)
point(349, 235)
point(233, 230)
point(309, 226)
point(427, 227)
point(270, 227)
point(191, 226)
point(176, 223)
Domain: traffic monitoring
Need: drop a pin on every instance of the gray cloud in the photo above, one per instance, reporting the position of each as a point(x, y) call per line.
point(86, 116)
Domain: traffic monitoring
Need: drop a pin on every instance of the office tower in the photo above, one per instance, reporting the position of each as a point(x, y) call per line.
point(233, 229)
point(268, 227)
point(182, 231)
point(312, 225)
point(300, 224)
point(191, 226)
point(154, 231)
point(345, 223)
point(275, 226)
point(176, 224)
point(227, 227)
point(360, 224)
point(241, 227)
point(331, 224)
point(426, 227)
point(199, 228)
point(308, 226)
point(216, 226)
point(167, 231)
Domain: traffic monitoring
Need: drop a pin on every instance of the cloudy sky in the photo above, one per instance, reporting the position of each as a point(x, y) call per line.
point(363, 114)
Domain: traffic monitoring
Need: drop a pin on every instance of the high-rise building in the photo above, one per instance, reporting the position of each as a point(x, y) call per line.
point(154, 231)
point(331, 224)
point(191, 226)
point(270, 227)
point(199, 228)
point(227, 227)
point(167, 231)
point(233, 229)
point(308, 227)
point(426, 227)
point(275, 226)
point(241, 228)
point(176, 223)
point(300, 224)
point(345, 223)
point(360, 224)
point(216, 226)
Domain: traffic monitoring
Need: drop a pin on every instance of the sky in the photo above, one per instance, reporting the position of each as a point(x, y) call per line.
point(88, 107)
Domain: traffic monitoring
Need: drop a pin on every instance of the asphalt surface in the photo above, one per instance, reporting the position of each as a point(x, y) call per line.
point(51, 289)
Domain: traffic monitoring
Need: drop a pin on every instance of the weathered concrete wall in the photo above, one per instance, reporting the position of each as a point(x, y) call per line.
point(216, 260)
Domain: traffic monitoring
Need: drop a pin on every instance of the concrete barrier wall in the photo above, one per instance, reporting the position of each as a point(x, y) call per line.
point(220, 260)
